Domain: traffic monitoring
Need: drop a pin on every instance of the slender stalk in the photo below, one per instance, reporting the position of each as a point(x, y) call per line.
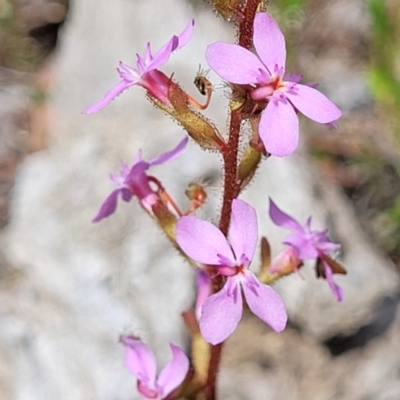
point(231, 185)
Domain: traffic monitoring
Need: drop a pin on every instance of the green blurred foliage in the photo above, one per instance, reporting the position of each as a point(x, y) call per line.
point(384, 72)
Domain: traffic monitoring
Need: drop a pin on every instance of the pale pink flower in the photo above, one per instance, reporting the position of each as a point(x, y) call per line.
point(146, 73)
point(133, 181)
point(308, 244)
point(279, 125)
point(140, 361)
point(206, 244)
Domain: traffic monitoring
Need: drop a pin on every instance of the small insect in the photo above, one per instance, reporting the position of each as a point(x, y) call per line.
point(197, 191)
point(204, 86)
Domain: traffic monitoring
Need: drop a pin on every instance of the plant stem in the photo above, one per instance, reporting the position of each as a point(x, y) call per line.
point(231, 184)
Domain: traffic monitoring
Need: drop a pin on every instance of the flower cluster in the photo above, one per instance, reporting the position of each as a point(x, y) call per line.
point(264, 95)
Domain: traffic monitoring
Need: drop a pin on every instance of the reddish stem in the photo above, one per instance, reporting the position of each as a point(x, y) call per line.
point(231, 185)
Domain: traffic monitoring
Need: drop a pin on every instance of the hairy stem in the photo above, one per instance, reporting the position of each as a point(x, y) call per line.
point(231, 184)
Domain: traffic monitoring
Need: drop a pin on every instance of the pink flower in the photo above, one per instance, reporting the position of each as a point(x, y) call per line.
point(308, 244)
point(140, 361)
point(146, 73)
point(203, 291)
point(133, 181)
point(205, 243)
point(279, 125)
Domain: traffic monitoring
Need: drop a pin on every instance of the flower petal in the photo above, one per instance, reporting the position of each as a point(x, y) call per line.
point(108, 207)
point(202, 241)
point(170, 155)
point(126, 194)
point(175, 43)
point(313, 104)
point(243, 231)
point(304, 244)
point(221, 313)
point(282, 219)
point(264, 302)
point(269, 42)
point(326, 247)
point(336, 289)
point(140, 360)
point(162, 55)
point(173, 373)
point(185, 35)
point(203, 290)
point(234, 63)
point(109, 96)
point(279, 128)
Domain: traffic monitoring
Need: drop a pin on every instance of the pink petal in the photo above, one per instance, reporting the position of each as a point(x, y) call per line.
point(147, 56)
point(326, 247)
point(140, 361)
point(304, 244)
point(313, 104)
point(126, 194)
point(269, 42)
point(137, 173)
point(108, 207)
point(221, 313)
point(175, 43)
point(336, 289)
point(128, 73)
point(243, 231)
point(202, 241)
point(279, 128)
point(170, 155)
point(264, 302)
point(296, 78)
point(203, 290)
point(185, 35)
point(109, 96)
point(323, 243)
point(173, 373)
point(282, 219)
point(234, 63)
point(162, 55)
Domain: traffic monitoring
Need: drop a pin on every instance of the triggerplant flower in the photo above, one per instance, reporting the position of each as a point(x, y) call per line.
point(146, 73)
point(133, 181)
point(308, 244)
point(205, 243)
point(279, 125)
point(140, 360)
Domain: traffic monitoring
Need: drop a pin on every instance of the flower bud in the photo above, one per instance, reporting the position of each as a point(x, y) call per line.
point(231, 10)
point(197, 126)
point(165, 219)
point(248, 165)
point(286, 262)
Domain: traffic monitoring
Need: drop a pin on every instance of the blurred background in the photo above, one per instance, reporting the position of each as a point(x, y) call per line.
point(68, 288)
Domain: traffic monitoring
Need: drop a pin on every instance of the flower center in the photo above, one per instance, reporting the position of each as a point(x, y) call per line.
point(266, 90)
